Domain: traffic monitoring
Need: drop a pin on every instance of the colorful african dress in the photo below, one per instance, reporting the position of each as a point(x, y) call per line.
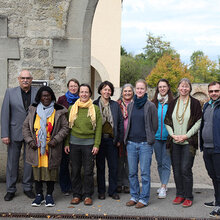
point(41, 172)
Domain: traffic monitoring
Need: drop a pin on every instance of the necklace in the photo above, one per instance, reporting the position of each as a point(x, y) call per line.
point(180, 118)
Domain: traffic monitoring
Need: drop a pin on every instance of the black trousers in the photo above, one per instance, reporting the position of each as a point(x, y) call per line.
point(182, 163)
point(64, 175)
point(39, 187)
point(212, 164)
point(109, 151)
point(81, 156)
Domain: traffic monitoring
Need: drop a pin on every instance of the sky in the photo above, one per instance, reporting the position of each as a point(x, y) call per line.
point(189, 25)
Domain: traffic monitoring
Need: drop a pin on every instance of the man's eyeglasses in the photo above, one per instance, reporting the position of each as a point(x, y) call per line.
point(27, 78)
point(215, 91)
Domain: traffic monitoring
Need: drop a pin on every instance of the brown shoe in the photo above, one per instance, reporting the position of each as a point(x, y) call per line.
point(140, 205)
point(75, 201)
point(130, 203)
point(87, 201)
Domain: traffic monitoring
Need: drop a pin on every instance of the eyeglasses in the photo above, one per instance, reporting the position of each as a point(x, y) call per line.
point(27, 78)
point(215, 91)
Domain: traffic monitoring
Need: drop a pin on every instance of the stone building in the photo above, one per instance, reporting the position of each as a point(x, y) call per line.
point(57, 40)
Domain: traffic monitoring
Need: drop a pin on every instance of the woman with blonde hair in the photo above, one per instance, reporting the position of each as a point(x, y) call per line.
point(140, 137)
point(183, 121)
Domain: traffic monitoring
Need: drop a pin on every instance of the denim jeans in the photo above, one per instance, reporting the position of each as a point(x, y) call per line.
point(212, 164)
point(182, 162)
point(81, 156)
point(163, 161)
point(139, 152)
point(109, 151)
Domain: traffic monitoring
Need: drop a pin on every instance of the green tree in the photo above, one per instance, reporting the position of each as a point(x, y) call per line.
point(203, 69)
point(123, 51)
point(170, 68)
point(130, 70)
point(155, 48)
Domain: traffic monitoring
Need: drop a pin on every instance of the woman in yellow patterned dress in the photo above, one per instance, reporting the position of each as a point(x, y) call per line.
point(44, 130)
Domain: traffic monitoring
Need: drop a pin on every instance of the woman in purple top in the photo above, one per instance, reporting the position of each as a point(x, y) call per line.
point(127, 94)
point(66, 100)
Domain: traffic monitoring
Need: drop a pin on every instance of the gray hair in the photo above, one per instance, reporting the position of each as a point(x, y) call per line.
point(126, 85)
point(19, 73)
point(187, 81)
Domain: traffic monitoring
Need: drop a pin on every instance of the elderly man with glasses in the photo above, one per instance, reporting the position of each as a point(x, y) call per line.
point(14, 111)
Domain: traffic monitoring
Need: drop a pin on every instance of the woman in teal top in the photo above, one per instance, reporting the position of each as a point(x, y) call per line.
point(82, 143)
point(163, 96)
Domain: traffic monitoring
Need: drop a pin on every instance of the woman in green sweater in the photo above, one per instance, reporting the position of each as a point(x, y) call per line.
point(82, 143)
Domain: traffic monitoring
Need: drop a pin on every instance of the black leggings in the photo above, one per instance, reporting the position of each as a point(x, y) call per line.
point(39, 187)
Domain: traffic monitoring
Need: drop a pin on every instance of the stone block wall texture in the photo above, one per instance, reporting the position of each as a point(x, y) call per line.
point(36, 23)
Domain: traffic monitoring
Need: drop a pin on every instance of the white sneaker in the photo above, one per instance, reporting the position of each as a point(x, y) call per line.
point(158, 190)
point(162, 194)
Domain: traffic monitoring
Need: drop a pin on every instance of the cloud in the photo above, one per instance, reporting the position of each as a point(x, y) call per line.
point(188, 25)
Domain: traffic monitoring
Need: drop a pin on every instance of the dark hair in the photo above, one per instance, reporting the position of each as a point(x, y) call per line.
point(73, 80)
point(169, 93)
point(88, 86)
point(213, 83)
point(104, 84)
point(42, 89)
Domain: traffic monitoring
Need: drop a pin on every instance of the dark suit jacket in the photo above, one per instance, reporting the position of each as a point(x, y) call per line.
point(13, 113)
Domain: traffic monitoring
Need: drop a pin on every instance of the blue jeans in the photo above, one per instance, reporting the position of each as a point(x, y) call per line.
point(139, 152)
point(163, 161)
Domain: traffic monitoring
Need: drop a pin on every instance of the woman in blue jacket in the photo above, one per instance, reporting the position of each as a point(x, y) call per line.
point(163, 96)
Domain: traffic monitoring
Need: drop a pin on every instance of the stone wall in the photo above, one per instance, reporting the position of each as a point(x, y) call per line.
point(35, 23)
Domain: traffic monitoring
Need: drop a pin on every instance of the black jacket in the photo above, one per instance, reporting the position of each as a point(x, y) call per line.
point(118, 126)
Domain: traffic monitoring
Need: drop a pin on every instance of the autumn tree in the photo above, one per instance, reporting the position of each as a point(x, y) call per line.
point(203, 69)
point(170, 68)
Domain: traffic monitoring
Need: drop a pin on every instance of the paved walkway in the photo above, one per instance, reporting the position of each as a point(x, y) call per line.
point(157, 207)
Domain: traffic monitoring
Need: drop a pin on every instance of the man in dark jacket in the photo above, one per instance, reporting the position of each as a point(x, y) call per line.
point(210, 142)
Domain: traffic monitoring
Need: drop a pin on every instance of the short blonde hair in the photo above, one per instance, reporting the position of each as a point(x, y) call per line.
point(141, 81)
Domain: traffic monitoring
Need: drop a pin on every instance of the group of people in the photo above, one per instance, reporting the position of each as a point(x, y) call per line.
point(75, 132)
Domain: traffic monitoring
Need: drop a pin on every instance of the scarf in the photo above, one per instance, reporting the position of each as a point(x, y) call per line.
point(44, 112)
point(212, 102)
point(75, 108)
point(140, 102)
point(123, 105)
point(106, 112)
point(162, 99)
point(71, 98)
